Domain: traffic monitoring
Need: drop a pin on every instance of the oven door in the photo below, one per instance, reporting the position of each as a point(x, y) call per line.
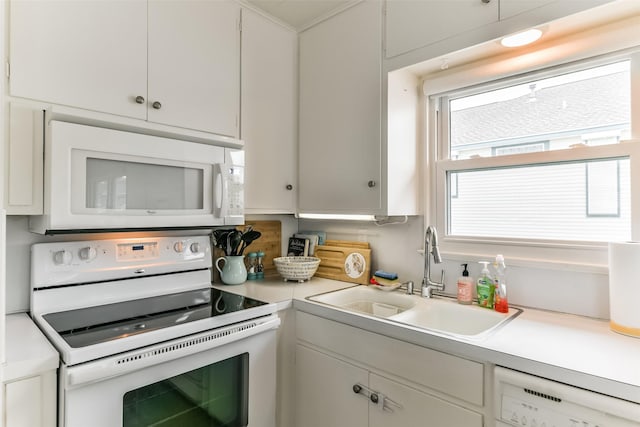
point(97, 178)
point(224, 377)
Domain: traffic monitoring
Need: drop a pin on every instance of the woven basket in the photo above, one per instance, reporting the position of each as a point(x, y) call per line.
point(297, 268)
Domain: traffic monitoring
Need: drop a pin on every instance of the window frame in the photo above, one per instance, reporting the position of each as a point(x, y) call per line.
point(559, 254)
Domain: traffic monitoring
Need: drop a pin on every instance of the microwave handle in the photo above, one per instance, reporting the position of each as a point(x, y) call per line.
point(220, 190)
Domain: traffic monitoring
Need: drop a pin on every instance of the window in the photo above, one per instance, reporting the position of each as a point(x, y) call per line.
point(536, 159)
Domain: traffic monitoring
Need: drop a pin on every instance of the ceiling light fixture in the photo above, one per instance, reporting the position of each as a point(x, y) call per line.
point(522, 38)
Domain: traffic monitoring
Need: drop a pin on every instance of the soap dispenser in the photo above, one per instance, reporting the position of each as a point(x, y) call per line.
point(485, 287)
point(501, 303)
point(465, 287)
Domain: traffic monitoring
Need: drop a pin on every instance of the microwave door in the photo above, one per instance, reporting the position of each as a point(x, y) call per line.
point(98, 178)
point(229, 193)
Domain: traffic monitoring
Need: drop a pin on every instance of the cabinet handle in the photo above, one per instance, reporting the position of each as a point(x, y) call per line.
point(361, 390)
point(486, 1)
point(371, 184)
point(374, 398)
point(156, 105)
point(290, 187)
point(139, 99)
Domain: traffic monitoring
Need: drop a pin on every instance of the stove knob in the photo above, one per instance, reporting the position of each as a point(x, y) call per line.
point(178, 246)
point(195, 247)
point(62, 257)
point(88, 253)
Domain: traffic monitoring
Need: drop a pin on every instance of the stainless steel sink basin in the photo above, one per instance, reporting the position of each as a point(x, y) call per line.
point(442, 315)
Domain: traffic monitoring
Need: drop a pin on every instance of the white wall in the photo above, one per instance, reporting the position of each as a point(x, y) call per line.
point(394, 248)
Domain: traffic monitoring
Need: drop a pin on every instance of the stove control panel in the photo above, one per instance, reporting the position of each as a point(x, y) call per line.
point(60, 263)
point(138, 251)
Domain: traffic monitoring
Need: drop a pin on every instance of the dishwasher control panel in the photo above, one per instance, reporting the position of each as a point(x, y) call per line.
point(525, 400)
point(522, 413)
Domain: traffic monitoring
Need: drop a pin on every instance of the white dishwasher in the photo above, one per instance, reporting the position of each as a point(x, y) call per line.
point(526, 400)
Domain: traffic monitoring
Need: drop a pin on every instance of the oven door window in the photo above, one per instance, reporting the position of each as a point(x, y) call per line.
point(212, 396)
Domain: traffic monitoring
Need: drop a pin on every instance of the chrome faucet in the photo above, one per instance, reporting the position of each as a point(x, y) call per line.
point(431, 248)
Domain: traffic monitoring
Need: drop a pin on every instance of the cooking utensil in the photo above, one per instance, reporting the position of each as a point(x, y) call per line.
point(247, 238)
point(219, 238)
point(235, 238)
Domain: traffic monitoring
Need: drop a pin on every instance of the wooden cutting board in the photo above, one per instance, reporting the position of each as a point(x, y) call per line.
point(269, 243)
point(345, 261)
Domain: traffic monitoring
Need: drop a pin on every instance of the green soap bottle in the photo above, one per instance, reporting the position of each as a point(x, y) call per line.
point(485, 287)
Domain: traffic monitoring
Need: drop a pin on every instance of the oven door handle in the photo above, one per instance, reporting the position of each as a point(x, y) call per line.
point(121, 364)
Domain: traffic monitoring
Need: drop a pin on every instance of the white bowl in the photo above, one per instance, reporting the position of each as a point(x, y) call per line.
point(296, 268)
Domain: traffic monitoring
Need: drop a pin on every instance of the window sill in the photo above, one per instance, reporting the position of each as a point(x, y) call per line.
point(590, 257)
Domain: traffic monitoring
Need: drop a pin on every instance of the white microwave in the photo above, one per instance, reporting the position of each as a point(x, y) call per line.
point(104, 179)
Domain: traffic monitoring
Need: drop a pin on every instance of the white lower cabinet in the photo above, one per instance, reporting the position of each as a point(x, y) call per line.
point(405, 406)
point(29, 375)
point(347, 377)
point(324, 391)
point(31, 402)
point(332, 392)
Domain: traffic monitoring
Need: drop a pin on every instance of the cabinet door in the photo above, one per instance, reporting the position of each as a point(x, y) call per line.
point(194, 64)
point(544, 10)
point(324, 391)
point(340, 102)
point(268, 115)
point(411, 407)
point(85, 54)
point(31, 402)
point(509, 8)
point(411, 24)
point(24, 191)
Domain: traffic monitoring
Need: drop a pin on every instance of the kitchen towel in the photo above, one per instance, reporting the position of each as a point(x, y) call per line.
point(624, 287)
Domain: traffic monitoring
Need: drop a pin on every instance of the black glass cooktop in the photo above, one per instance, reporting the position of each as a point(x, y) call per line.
point(93, 325)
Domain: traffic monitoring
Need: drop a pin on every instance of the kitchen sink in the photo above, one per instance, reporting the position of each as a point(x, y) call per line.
point(446, 315)
point(365, 300)
point(442, 315)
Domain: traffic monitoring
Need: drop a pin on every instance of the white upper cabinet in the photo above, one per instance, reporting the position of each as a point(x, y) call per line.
point(415, 23)
point(340, 113)
point(87, 54)
point(170, 62)
point(509, 8)
point(429, 28)
point(540, 11)
point(194, 64)
point(269, 114)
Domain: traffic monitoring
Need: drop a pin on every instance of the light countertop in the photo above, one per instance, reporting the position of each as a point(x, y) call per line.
point(575, 350)
point(28, 352)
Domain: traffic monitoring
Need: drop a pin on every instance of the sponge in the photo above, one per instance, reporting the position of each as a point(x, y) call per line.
point(385, 275)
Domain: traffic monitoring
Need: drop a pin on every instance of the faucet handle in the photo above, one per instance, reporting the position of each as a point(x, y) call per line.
point(409, 286)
